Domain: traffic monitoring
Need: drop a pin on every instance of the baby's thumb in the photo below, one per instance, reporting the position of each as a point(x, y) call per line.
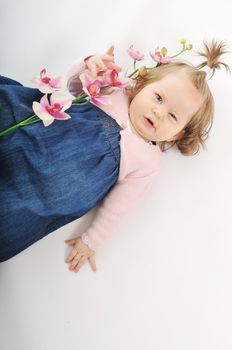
point(110, 50)
point(92, 262)
point(70, 241)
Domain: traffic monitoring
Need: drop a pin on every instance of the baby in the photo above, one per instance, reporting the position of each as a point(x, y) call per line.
point(106, 154)
point(170, 105)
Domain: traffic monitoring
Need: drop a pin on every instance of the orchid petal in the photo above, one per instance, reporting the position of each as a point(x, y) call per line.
point(47, 122)
point(35, 80)
point(44, 101)
point(156, 56)
point(135, 54)
point(62, 116)
point(86, 91)
point(58, 82)
point(165, 60)
point(45, 89)
point(86, 78)
point(47, 84)
point(61, 98)
point(101, 100)
point(40, 111)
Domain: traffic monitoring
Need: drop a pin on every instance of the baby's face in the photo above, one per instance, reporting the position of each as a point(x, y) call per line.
point(169, 103)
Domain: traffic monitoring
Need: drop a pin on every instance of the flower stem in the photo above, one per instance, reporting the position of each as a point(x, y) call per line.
point(24, 122)
point(133, 73)
point(80, 97)
point(178, 53)
point(80, 104)
point(33, 122)
point(134, 64)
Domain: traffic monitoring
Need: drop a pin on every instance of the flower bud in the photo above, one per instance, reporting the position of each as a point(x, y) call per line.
point(142, 72)
point(188, 47)
point(164, 51)
point(182, 41)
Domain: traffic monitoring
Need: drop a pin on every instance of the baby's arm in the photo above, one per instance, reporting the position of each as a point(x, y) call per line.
point(122, 198)
point(93, 63)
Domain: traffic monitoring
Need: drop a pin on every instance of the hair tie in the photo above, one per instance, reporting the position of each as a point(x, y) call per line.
point(206, 69)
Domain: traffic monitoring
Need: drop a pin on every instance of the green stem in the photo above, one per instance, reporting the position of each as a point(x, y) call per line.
point(131, 75)
point(135, 70)
point(80, 97)
point(35, 119)
point(24, 122)
point(80, 104)
point(178, 53)
point(134, 64)
point(33, 122)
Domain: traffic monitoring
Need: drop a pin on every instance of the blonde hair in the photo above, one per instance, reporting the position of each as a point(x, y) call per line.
point(197, 129)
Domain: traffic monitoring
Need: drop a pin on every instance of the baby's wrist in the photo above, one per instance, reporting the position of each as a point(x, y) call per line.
point(85, 239)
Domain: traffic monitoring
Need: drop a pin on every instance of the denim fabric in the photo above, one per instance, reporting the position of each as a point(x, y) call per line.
point(50, 176)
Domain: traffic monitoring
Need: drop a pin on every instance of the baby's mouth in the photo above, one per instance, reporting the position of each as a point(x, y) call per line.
point(149, 121)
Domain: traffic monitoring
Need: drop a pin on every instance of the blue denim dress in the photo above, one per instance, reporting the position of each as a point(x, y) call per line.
point(50, 176)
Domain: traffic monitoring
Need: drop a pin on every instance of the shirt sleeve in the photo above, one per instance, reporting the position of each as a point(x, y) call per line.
point(121, 199)
point(74, 84)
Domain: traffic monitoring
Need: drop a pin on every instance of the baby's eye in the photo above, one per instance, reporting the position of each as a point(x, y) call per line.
point(173, 116)
point(159, 98)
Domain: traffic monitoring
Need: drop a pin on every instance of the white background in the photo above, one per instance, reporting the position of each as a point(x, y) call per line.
point(164, 278)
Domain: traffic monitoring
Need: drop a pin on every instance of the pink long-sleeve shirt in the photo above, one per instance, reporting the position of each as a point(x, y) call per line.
point(139, 163)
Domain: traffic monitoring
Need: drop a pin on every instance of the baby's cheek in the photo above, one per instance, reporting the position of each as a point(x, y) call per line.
point(139, 104)
point(133, 106)
point(147, 100)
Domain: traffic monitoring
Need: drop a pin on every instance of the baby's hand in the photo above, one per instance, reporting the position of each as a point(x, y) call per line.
point(79, 254)
point(102, 62)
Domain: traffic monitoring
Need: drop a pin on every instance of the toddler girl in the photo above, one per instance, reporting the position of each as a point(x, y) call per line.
point(105, 155)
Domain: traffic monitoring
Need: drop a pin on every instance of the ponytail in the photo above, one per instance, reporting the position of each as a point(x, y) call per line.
point(212, 52)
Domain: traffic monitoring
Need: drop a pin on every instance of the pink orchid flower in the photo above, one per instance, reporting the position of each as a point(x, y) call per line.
point(136, 55)
point(48, 112)
point(92, 89)
point(158, 57)
point(47, 84)
point(111, 79)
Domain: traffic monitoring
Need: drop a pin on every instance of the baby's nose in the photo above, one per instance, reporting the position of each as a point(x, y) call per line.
point(159, 113)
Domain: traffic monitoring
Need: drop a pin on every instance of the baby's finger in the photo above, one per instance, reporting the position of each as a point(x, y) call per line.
point(110, 50)
point(93, 70)
point(80, 263)
point(92, 67)
point(114, 66)
point(107, 58)
point(75, 261)
point(71, 255)
point(101, 64)
point(70, 241)
point(92, 262)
